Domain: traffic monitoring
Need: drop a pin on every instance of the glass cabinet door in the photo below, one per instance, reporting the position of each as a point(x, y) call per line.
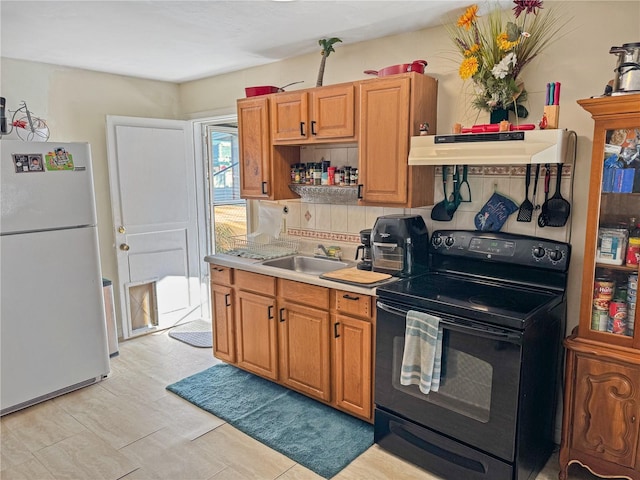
point(617, 254)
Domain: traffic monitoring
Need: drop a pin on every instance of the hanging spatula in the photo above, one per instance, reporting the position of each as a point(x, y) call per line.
point(440, 211)
point(526, 207)
point(556, 209)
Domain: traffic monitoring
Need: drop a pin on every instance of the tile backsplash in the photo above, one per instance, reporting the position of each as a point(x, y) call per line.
point(342, 223)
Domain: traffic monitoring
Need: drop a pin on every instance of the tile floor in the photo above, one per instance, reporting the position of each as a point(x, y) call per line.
point(129, 427)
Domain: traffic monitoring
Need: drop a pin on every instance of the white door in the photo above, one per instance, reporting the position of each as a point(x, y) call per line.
point(153, 196)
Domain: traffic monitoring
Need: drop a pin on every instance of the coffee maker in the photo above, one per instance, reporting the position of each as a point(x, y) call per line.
point(399, 245)
point(364, 250)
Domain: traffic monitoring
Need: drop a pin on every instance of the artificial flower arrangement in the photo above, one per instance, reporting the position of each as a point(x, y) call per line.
point(494, 53)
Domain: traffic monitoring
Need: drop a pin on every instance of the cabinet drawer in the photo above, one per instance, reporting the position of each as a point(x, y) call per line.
point(304, 293)
point(221, 275)
point(255, 282)
point(353, 303)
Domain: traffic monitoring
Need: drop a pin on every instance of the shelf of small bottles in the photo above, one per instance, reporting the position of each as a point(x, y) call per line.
point(329, 194)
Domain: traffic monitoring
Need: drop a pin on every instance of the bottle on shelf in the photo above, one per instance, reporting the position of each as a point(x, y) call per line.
point(633, 247)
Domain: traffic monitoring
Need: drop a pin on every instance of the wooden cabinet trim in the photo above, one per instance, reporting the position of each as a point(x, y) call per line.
point(255, 282)
point(303, 293)
point(221, 275)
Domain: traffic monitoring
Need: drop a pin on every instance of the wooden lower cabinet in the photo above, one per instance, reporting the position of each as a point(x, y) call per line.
point(305, 353)
point(224, 339)
point(601, 427)
point(352, 374)
point(315, 340)
point(353, 330)
point(304, 349)
point(223, 313)
point(256, 324)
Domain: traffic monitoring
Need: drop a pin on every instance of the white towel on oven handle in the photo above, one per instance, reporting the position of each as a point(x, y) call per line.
point(422, 357)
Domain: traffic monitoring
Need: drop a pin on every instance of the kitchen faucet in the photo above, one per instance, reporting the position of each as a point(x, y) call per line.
point(332, 253)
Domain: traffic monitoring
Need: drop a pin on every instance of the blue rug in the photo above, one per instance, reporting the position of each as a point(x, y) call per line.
point(310, 433)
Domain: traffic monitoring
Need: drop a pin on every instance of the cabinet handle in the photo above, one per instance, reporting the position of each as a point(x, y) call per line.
point(264, 188)
point(226, 299)
point(281, 314)
point(346, 296)
point(633, 419)
point(270, 312)
point(302, 134)
point(335, 330)
point(360, 191)
point(313, 127)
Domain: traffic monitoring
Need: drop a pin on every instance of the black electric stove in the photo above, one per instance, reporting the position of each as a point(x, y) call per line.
point(501, 303)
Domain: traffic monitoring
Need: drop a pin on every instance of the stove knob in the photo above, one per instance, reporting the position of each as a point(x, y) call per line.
point(449, 241)
point(437, 241)
point(538, 252)
point(555, 255)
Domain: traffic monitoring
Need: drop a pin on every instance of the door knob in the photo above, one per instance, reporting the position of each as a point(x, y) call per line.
point(121, 229)
point(124, 247)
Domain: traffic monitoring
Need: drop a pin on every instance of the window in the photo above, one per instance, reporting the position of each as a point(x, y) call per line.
point(227, 211)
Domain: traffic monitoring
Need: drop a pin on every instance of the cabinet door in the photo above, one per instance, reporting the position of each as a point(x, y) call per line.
point(305, 350)
point(223, 323)
point(255, 146)
point(332, 112)
point(289, 117)
point(256, 330)
point(606, 410)
point(609, 282)
point(353, 350)
point(384, 140)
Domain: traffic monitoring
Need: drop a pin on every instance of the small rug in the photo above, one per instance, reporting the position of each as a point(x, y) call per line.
point(196, 333)
point(310, 433)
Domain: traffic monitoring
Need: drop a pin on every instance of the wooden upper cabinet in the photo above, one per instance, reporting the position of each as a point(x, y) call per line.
point(255, 146)
point(262, 166)
point(316, 115)
point(391, 111)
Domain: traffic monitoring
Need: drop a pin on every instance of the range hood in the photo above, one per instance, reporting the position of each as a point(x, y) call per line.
point(499, 148)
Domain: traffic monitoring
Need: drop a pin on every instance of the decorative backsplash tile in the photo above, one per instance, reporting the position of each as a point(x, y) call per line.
point(342, 223)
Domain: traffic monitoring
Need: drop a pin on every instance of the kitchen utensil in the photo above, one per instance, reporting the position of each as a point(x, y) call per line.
point(416, 66)
point(535, 188)
point(440, 211)
point(627, 69)
point(557, 208)
point(526, 207)
point(266, 89)
point(542, 220)
point(464, 185)
point(454, 198)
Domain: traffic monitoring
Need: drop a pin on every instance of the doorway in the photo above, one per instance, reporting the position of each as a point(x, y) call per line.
point(227, 211)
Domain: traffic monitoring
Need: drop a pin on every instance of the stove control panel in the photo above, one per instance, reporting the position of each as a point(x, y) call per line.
point(502, 247)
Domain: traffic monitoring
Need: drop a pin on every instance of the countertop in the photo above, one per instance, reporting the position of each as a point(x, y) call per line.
point(252, 265)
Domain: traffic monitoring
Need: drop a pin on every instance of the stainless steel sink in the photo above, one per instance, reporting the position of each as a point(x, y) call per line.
point(308, 265)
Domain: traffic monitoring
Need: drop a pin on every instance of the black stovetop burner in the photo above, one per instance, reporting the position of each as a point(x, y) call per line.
point(499, 278)
point(504, 305)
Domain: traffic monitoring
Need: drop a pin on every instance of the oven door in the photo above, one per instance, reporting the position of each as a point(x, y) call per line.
point(477, 400)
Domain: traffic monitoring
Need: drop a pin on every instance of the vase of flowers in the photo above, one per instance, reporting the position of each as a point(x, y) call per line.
point(494, 52)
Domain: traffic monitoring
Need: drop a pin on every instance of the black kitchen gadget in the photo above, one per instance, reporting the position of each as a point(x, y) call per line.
point(399, 245)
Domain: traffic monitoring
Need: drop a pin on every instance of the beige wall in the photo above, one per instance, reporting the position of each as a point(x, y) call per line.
point(75, 102)
point(580, 60)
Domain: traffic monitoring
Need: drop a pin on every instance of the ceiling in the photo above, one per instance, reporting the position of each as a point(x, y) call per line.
point(179, 41)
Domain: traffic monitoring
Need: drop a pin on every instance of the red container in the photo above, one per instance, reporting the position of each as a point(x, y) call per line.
point(417, 66)
point(261, 90)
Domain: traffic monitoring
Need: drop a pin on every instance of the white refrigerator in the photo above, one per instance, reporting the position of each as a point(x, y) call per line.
point(52, 319)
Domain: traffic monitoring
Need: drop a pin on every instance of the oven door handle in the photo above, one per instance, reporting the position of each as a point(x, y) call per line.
point(489, 333)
